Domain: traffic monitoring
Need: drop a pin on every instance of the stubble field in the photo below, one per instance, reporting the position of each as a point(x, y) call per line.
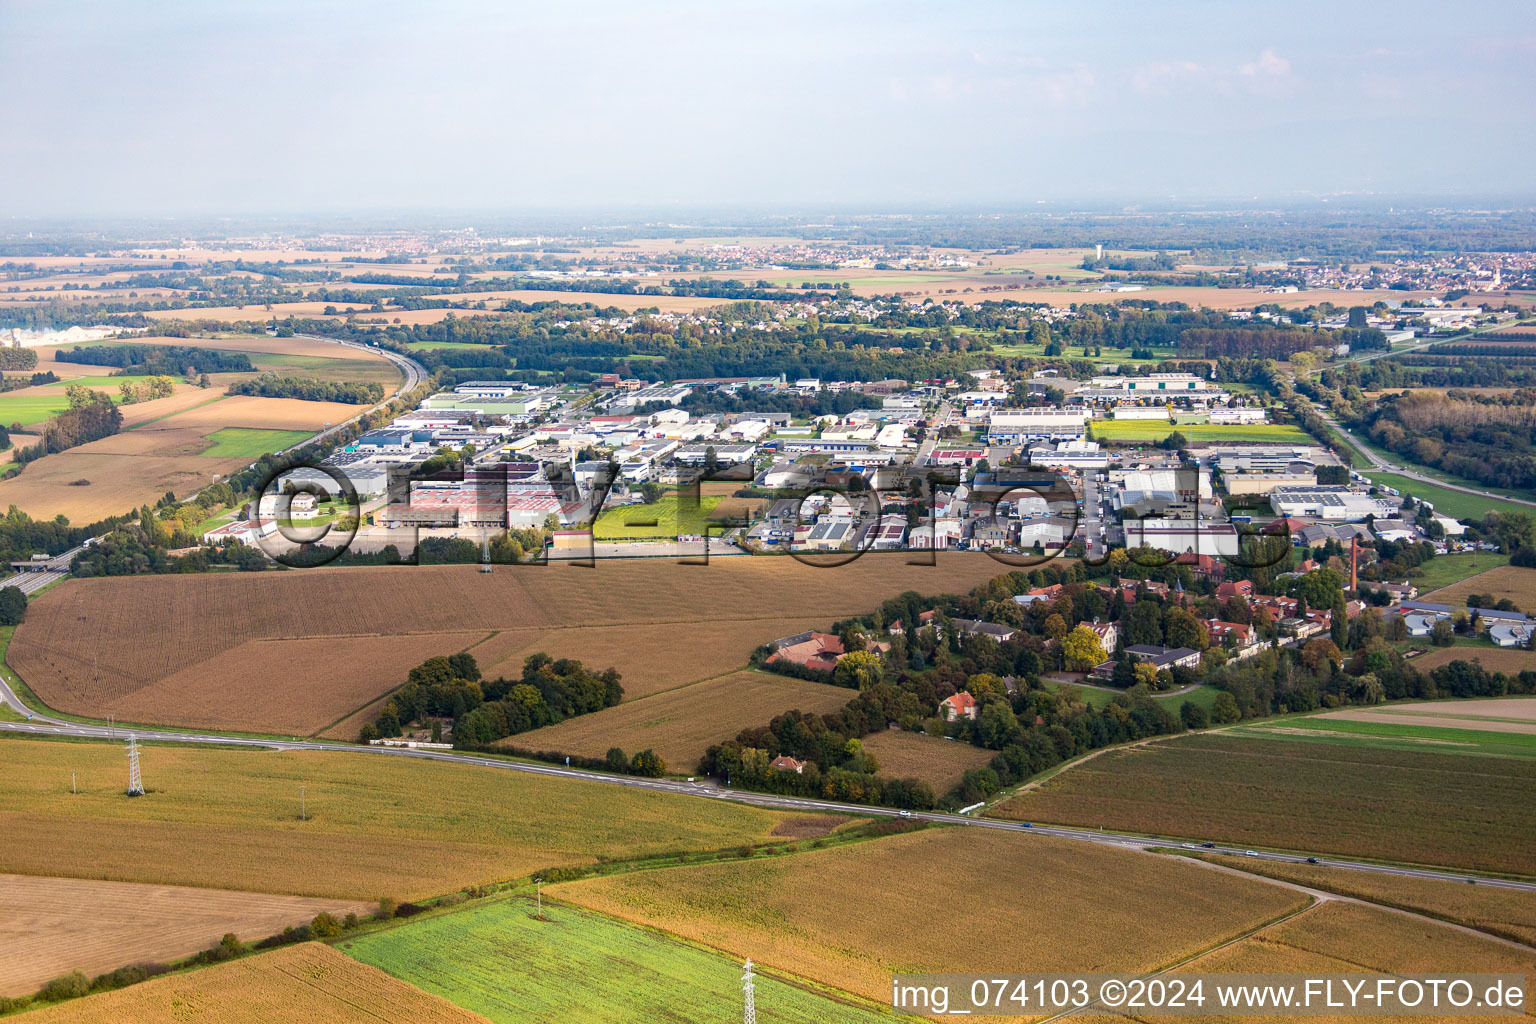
point(1338, 797)
point(91, 643)
point(56, 925)
point(680, 724)
point(849, 916)
point(306, 984)
point(1516, 583)
point(937, 761)
point(378, 824)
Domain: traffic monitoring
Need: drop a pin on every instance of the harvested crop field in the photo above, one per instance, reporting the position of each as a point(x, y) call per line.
point(1405, 806)
point(266, 413)
point(1051, 904)
point(1516, 583)
point(55, 925)
point(1345, 938)
point(305, 984)
point(937, 761)
point(334, 675)
point(1509, 660)
point(680, 724)
point(645, 656)
point(1510, 714)
point(116, 483)
point(90, 642)
point(378, 825)
point(1510, 913)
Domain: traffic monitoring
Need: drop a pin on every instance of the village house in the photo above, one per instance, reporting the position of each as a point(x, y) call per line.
point(785, 763)
point(957, 706)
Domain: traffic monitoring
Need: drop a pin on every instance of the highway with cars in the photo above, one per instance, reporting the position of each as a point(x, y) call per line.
point(39, 724)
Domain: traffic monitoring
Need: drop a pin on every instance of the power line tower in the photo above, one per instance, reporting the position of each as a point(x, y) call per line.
point(485, 553)
point(749, 991)
point(135, 784)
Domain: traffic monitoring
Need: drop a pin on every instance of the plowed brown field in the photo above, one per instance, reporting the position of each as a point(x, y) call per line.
point(93, 643)
point(55, 925)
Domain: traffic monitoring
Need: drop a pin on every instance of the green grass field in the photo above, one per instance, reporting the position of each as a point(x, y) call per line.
point(1447, 502)
point(16, 407)
point(327, 367)
point(1156, 430)
point(497, 960)
point(1443, 570)
point(1391, 736)
point(1204, 696)
point(665, 519)
point(250, 442)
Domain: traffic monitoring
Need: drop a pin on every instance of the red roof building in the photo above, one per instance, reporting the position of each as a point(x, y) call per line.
point(959, 705)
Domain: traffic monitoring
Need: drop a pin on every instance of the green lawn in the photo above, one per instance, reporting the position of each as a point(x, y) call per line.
point(1443, 570)
point(1448, 503)
point(496, 960)
point(28, 409)
point(1201, 696)
point(250, 442)
point(1204, 696)
point(1156, 430)
point(664, 519)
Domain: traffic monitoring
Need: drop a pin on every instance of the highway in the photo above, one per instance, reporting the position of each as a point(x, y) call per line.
point(43, 725)
point(414, 374)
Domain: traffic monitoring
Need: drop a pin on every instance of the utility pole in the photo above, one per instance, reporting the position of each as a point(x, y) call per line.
point(303, 811)
point(73, 791)
point(538, 895)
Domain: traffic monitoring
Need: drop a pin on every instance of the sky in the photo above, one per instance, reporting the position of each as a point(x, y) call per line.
point(128, 108)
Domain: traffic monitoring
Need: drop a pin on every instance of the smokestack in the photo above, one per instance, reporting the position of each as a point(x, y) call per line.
point(1354, 564)
point(1098, 252)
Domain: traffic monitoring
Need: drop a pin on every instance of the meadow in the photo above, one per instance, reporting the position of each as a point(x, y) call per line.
point(1509, 913)
point(937, 761)
point(305, 984)
point(954, 899)
point(680, 724)
point(251, 442)
point(1156, 430)
point(615, 973)
point(378, 825)
point(1455, 504)
point(1504, 581)
point(665, 519)
point(1334, 795)
point(1508, 660)
point(1383, 730)
point(89, 645)
point(48, 932)
point(1445, 570)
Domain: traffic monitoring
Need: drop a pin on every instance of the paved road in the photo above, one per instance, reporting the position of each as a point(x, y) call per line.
point(414, 372)
point(1387, 467)
point(41, 725)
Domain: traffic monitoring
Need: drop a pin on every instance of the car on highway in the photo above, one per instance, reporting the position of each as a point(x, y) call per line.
point(906, 814)
point(1208, 846)
point(1311, 860)
point(1249, 853)
point(1029, 824)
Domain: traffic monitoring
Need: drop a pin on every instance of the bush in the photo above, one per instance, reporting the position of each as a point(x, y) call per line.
point(70, 986)
point(388, 907)
point(325, 926)
point(13, 605)
point(350, 922)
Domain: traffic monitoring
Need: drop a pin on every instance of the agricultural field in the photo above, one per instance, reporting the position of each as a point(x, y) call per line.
point(616, 973)
point(1334, 795)
point(681, 724)
point(54, 925)
point(665, 519)
point(1513, 582)
point(1465, 734)
point(1508, 660)
point(1156, 430)
point(1443, 571)
point(88, 644)
point(305, 984)
point(1509, 913)
point(1507, 714)
point(937, 761)
point(378, 825)
point(645, 656)
point(1342, 938)
point(849, 915)
point(251, 442)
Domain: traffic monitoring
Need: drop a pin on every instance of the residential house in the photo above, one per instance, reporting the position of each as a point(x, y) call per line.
point(957, 706)
point(1165, 657)
point(785, 763)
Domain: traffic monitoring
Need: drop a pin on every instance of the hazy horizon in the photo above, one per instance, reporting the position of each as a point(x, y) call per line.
point(181, 110)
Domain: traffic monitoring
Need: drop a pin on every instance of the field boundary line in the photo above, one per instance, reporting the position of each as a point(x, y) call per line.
point(1328, 895)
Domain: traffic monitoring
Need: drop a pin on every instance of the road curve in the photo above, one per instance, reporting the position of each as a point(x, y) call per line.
point(41, 725)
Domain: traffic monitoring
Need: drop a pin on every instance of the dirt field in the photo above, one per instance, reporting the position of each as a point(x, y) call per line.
point(1508, 660)
point(1513, 582)
point(1514, 714)
point(820, 915)
point(938, 762)
point(54, 925)
point(306, 984)
point(248, 697)
point(1510, 913)
point(269, 413)
point(645, 656)
point(680, 724)
point(118, 483)
point(377, 825)
point(88, 643)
